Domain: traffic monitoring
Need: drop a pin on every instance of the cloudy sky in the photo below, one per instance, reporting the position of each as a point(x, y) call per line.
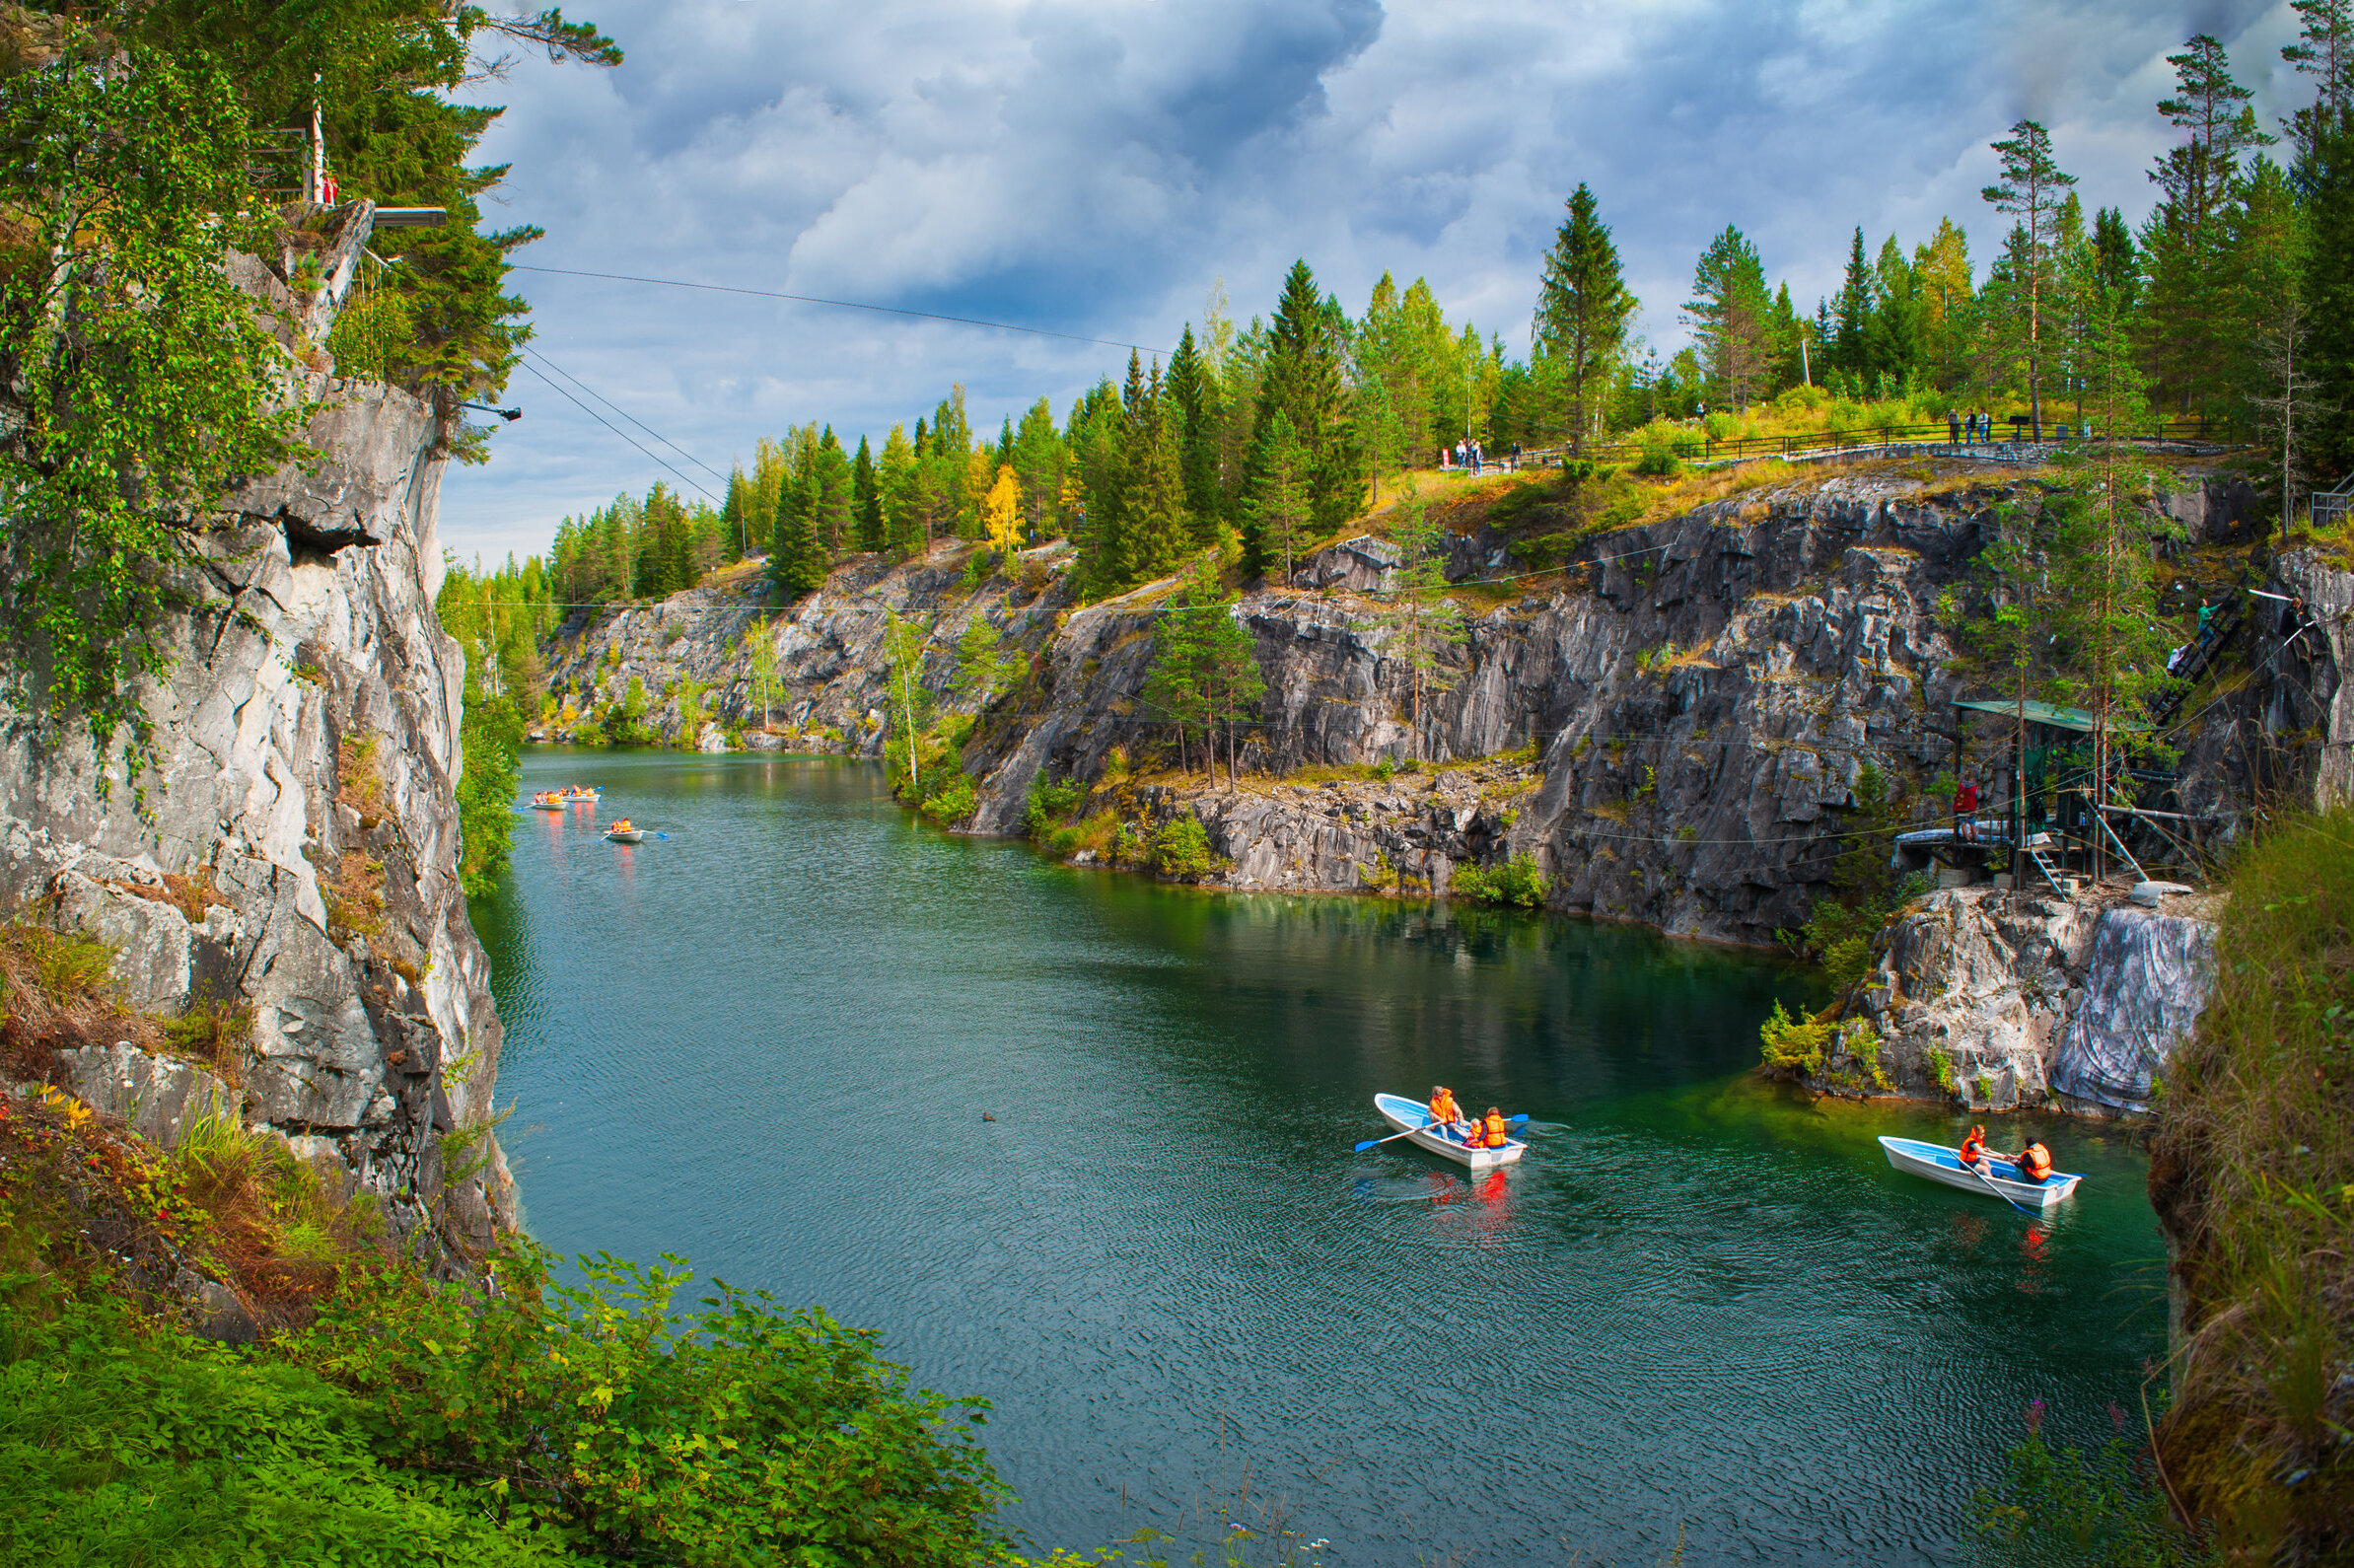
point(1097, 168)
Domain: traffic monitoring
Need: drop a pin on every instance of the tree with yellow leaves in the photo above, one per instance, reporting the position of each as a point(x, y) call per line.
point(1001, 512)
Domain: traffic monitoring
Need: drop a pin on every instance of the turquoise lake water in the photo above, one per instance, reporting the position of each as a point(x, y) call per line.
point(1701, 1306)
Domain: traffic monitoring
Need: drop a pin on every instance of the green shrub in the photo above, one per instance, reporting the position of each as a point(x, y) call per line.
point(1051, 804)
point(952, 801)
point(1794, 1045)
point(2065, 1507)
point(1516, 883)
point(605, 1420)
point(126, 1441)
point(1183, 849)
point(1943, 1066)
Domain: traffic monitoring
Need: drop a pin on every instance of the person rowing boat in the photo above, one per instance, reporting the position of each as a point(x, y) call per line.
point(1446, 1115)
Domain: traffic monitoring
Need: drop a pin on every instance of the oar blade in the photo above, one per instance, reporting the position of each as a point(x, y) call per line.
point(1368, 1144)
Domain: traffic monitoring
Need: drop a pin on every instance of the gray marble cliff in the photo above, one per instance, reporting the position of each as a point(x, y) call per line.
point(300, 801)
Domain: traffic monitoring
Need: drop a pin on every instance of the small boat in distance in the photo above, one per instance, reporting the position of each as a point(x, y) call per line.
point(622, 833)
point(1411, 1116)
point(1941, 1164)
point(582, 797)
point(549, 801)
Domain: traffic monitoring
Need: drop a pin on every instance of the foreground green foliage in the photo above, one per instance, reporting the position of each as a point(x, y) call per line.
point(125, 1442)
point(2064, 1508)
point(2253, 1168)
point(599, 1416)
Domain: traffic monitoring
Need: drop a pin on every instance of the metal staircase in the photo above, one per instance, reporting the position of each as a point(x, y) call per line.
point(2050, 868)
point(2222, 626)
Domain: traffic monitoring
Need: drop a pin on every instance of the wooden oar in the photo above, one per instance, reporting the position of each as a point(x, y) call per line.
point(1999, 1192)
point(1375, 1143)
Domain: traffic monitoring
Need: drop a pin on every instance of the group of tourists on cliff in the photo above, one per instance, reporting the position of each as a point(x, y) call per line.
point(1491, 1131)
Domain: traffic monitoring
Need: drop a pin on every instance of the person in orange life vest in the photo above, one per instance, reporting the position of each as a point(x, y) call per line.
point(1973, 1147)
point(1493, 1132)
point(2034, 1164)
point(1444, 1113)
point(622, 827)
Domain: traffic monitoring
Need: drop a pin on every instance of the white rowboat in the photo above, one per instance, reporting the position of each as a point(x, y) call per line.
point(1403, 1114)
point(1941, 1164)
point(630, 835)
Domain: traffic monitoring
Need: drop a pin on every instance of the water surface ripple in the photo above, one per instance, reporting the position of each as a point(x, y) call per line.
point(1700, 1305)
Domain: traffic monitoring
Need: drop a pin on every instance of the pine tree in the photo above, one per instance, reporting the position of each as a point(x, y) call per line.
point(2031, 190)
point(866, 500)
point(984, 665)
point(2186, 331)
point(1583, 307)
point(2119, 262)
point(1728, 317)
point(2324, 52)
point(1893, 336)
point(1176, 687)
point(1940, 263)
point(1226, 658)
point(1155, 530)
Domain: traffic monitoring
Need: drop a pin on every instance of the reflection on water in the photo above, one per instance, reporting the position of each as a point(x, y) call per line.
point(1701, 1303)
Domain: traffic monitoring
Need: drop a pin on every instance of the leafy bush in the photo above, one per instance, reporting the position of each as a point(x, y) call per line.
point(1183, 849)
point(1051, 804)
point(1665, 446)
point(489, 735)
point(1794, 1045)
point(2068, 1509)
point(126, 1441)
point(604, 1419)
point(952, 799)
point(1517, 882)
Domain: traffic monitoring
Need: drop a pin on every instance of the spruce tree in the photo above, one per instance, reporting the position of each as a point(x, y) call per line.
point(1038, 462)
point(865, 499)
point(1278, 505)
point(2328, 178)
point(898, 479)
point(1583, 307)
point(1854, 313)
point(1153, 530)
point(1302, 378)
point(1193, 391)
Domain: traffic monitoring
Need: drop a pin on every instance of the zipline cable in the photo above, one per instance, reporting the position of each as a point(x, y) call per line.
point(534, 354)
point(618, 431)
point(844, 305)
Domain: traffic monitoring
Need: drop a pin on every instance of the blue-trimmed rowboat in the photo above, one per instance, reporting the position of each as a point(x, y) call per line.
point(1404, 1115)
point(1941, 1164)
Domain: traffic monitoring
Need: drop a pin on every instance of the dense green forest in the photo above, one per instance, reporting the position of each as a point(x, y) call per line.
point(2229, 299)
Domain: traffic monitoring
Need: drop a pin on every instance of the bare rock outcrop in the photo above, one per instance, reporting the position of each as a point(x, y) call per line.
point(1995, 1000)
point(286, 850)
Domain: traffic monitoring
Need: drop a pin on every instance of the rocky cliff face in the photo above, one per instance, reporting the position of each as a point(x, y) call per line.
point(1701, 695)
point(291, 855)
